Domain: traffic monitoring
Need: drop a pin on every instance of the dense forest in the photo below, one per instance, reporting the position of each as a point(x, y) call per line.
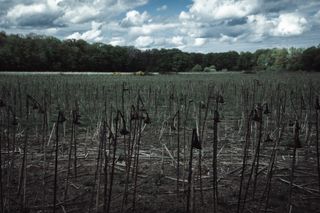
point(43, 53)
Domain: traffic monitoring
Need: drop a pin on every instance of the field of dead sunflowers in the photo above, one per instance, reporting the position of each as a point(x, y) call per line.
point(197, 143)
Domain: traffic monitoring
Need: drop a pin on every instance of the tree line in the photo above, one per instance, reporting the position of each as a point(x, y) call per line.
point(45, 53)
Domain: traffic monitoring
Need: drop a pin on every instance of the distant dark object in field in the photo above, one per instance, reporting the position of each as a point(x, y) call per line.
point(258, 82)
point(249, 72)
point(195, 140)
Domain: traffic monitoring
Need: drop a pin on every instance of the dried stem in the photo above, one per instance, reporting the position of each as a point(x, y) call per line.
point(244, 160)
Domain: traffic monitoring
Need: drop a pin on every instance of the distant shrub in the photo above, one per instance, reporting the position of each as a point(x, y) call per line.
point(140, 73)
point(249, 72)
point(196, 68)
point(212, 68)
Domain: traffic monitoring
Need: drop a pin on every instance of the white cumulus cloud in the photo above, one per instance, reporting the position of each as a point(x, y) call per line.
point(148, 29)
point(178, 40)
point(217, 9)
point(200, 41)
point(228, 39)
point(36, 14)
point(80, 14)
point(144, 41)
point(162, 8)
point(21, 10)
point(134, 18)
point(317, 15)
point(117, 41)
point(288, 24)
point(91, 35)
point(63, 12)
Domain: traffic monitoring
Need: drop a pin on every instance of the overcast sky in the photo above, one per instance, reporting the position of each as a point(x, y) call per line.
point(190, 25)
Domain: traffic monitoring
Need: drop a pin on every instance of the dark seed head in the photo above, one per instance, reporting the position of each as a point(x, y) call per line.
point(35, 106)
point(2, 103)
point(298, 144)
point(147, 120)
point(291, 123)
point(268, 138)
point(143, 110)
point(220, 99)
point(15, 121)
point(121, 158)
point(255, 115)
point(124, 131)
point(202, 105)
point(216, 116)
point(135, 116)
point(266, 110)
point(76, 117)
point(297, 125)
point(111, 135)
point(195, 140)
point(258, 82)
point(171, 96)
point(172, 127)
point(61, 117)
point(317, 104)
point(41, 110)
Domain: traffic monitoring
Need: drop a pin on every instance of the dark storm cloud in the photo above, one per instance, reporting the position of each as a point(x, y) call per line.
point(281, 6)
point(5, 5)
point(40, 21)
point(275, 6)
point(235, 22)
